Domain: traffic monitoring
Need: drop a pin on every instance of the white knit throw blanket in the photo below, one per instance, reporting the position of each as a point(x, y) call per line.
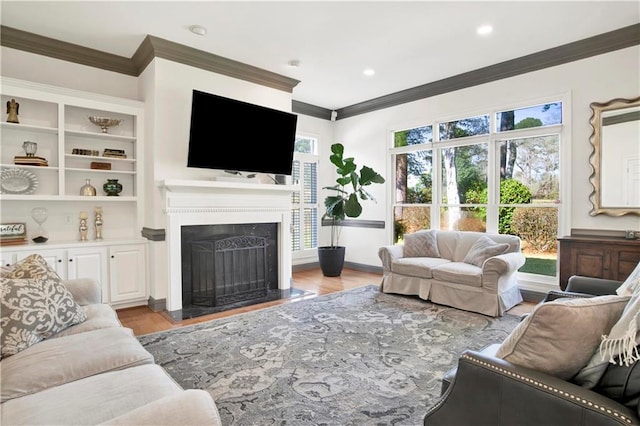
point(623, 337)
point(622, 341)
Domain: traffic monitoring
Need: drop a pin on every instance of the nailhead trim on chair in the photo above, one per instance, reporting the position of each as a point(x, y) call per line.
point(547, 387)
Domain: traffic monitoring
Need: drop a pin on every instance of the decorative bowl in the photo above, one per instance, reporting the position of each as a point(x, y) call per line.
point(104, 122)
point(17, 181)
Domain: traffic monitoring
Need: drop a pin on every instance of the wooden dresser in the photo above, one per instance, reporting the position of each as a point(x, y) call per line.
point(612, 258)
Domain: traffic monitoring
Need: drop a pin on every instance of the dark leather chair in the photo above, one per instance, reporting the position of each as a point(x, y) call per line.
point(485, 390)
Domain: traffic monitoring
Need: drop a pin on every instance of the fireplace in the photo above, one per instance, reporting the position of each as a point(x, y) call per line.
point(227, 264)
point(243, 208)
point(228, 270)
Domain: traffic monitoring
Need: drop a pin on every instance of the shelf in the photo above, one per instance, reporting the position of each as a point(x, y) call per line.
point(24, 166)
point(56, 119)
point(120, 172)
point(28, 127)
point(97, 157)
point(36, 197)
point(100, 136)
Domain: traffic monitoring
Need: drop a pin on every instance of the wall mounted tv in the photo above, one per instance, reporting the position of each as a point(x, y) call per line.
point(232, 135)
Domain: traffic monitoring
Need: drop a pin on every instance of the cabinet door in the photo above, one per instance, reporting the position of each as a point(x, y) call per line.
point(127, 273)
point(89, 262)
point(55, 258)
point(7, 258)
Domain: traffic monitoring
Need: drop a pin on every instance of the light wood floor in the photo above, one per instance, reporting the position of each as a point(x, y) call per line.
point(143, 320)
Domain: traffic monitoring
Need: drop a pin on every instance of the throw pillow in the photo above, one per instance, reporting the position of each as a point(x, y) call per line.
point(559, 337)
point(421, 244)
point(35, 304)
point(483, 249)
point(33, 266)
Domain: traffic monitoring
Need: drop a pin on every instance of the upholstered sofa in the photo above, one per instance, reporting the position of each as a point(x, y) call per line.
point(91, 371)
point(556, 368)
point(473, 271)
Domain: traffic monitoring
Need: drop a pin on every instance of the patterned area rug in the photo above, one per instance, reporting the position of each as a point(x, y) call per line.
point(359, 357)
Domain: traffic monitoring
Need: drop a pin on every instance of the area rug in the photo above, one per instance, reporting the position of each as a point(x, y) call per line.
point(358, 357)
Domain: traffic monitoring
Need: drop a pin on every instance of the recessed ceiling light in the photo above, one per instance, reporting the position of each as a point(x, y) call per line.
point(198, 29)
point(294, 63)
point(368, 72)
point(484, 29)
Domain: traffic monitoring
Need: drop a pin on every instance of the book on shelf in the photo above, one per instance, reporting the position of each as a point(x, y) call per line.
point(116, 153)
point(12, 241)
point(30, 161)
point(81, 151)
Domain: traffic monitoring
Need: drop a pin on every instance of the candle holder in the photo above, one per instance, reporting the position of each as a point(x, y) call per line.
point(98, 223)
point(83, 226)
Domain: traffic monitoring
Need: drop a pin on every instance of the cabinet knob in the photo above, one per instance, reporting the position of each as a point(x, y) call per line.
point(59, 260)
point(113, 257)
point(70, 260)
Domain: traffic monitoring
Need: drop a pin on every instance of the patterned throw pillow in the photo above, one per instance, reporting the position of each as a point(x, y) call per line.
point(421, 244)
point(34, 305)
point(483, 249)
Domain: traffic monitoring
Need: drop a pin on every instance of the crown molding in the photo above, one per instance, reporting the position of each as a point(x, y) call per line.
point(311, 110)
point(45, 46)
point(207, 61)
point(150, 48)
point(592, 46)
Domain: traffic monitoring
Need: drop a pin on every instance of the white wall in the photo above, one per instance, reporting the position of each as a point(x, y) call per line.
point(599, 79)
point(42, 69)
point(170, 100)
point(166, 89)
point(322, 130)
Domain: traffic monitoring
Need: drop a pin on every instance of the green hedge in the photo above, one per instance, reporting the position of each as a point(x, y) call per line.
point(537, 226)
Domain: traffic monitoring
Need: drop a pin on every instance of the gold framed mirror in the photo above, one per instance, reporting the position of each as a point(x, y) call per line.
point(615, 158)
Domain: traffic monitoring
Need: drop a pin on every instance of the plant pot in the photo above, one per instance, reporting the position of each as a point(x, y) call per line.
point(331, 260)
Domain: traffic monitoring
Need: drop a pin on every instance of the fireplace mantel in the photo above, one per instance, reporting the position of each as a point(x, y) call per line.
point(195, 202)
point(206, 186)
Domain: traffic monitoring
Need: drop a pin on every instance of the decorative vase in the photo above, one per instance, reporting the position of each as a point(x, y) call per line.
point(88, 189)
point(112, 187)
point(12, 109)
point(30, 148)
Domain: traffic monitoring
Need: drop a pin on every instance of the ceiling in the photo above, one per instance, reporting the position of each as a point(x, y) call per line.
point(408, 44)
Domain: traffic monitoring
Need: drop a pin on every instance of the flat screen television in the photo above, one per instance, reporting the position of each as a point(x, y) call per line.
point(231, 135)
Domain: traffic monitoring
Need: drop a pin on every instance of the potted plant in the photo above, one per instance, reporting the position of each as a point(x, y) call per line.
point(349, 189)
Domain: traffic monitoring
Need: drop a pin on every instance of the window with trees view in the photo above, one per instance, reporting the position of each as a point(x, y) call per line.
point(304, 200)
point(478, 174)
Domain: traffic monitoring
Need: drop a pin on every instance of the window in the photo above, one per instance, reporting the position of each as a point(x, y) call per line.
point(304, 200)
point(474, 175)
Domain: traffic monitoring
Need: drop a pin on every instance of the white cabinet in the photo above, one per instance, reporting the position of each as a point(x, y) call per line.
point(7, 257)
point(120, 268)
point(77, 150)
point(127, 274)
point(56, 258)
point(89, 262)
